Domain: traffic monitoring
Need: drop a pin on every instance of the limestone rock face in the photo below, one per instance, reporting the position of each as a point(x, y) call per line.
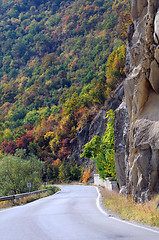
point(142, 99)
point(121, 126)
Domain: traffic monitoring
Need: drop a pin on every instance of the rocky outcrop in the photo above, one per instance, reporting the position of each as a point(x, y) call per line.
point(121, 127)
point(95, 127)
point(84, 135)
point(142, 98)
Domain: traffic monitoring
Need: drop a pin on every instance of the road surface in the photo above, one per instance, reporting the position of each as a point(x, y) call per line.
point(71, 214)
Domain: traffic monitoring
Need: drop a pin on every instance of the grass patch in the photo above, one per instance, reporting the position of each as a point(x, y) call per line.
point(146, 213)
point(28, 199)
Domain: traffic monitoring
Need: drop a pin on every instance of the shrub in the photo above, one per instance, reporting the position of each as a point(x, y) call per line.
point(68, 172)
point(86, 175)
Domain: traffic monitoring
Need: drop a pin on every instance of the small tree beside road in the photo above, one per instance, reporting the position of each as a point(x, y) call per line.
point(16, 171)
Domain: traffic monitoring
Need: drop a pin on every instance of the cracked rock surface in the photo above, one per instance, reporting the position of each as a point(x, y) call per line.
point(142, 99)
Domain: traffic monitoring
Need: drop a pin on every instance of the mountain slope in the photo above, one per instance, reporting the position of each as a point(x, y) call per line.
point(54, 71)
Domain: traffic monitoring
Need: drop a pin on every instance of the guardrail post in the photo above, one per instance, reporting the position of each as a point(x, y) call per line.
point(13, 199)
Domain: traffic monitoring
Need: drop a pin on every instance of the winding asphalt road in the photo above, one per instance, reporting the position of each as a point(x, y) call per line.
point(71, 214)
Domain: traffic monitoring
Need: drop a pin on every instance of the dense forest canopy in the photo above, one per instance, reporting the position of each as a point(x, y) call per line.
point(59, 62)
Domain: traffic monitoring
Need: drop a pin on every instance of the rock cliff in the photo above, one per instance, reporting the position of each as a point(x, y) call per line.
point(121, 127)
point(142, 99)
point(96, 127)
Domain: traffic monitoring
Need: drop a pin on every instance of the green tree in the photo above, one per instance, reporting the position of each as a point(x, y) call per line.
point(16, 171)
point(72, 105)
point(69, 173)
point(101, 150)
point(31, 117)
point(7, 134)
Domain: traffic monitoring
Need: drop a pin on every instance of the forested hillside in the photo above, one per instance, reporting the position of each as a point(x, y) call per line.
point(59, 63)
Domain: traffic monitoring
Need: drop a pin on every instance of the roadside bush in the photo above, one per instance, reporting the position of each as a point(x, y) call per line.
point(16, 172)
point(69, 173)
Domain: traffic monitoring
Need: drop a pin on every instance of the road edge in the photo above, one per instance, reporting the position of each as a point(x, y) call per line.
point(104, 211)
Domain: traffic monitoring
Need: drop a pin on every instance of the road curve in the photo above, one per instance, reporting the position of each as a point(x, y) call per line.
point(71, 214)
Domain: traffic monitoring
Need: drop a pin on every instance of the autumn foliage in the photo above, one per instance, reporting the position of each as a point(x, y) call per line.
point(59, 64)
point(86, 175)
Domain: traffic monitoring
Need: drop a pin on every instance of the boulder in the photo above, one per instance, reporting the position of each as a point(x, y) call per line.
point(154, 76)
point(156, 28)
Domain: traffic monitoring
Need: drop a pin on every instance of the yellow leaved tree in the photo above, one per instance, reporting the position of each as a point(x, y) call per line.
point(116, 67)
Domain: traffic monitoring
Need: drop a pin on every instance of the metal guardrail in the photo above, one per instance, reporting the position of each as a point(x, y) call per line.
point(21, 195)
